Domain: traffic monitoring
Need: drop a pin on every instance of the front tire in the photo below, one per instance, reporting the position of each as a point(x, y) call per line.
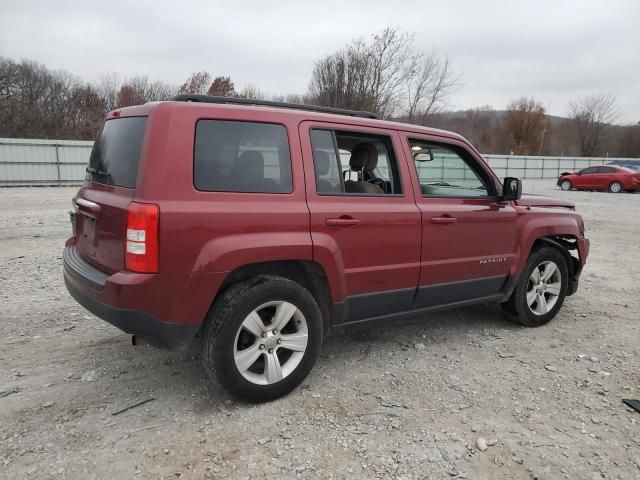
point(541, 289)
point(262, 338)
point(566, 185)
point(616, 187)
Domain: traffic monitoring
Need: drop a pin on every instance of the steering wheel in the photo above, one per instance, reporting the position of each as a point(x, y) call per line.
point(379, 182)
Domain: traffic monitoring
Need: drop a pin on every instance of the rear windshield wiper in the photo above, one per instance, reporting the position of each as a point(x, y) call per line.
point(95, 171)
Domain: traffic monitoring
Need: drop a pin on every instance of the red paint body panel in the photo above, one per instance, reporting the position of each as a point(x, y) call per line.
point(532, 200)
point(449, 252)
point(382, 252)
point(203, 236)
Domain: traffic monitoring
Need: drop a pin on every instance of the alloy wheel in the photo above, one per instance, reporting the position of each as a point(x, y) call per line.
point(270, 342)
point(543, 288)
point(615, 187)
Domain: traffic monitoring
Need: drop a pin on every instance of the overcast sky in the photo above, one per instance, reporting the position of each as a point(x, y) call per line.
point(553, 50)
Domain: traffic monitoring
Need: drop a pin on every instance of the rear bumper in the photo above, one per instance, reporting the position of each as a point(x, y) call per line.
point(168, 336)
point(164, 309)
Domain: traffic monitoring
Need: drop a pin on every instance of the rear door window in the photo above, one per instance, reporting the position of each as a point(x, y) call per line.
point(233, 156)
point(354, 163)
point(116, 152)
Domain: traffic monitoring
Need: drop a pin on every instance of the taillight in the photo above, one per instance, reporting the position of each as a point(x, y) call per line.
point(142, 238)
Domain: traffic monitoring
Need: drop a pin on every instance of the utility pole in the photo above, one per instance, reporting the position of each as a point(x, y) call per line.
point(544, 129)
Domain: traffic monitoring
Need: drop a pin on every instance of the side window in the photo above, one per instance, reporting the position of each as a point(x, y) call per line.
point(587, 171)
point(328, 174)
point(606, 170)
point(233, 156)
point(446, 172)
point(354, 163)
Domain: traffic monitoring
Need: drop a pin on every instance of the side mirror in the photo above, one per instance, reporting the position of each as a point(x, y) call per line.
point(511, 189)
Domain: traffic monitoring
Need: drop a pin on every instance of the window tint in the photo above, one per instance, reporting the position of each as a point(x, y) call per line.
point(116, 152)
point(606, 170)
point(589, 170)
point(328, 173)
point(354, 163)
point(235, 156)
point(444, 171)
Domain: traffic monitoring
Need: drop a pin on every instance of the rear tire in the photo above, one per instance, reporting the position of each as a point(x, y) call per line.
point(262, 338)
point(616, 187)
point(541, 289)
point(566, 185)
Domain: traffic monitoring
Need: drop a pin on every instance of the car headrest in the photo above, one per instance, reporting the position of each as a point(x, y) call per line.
point(322, 162)
point(249, 164)
point(364, 156)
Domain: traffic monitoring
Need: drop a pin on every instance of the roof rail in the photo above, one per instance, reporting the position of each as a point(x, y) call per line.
point(185, 97)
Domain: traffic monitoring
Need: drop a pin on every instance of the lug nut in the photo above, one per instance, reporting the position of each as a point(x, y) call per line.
point(271, 350)
point(279, 341)
point(275, 332)
point(261, 347)
point(264, 334)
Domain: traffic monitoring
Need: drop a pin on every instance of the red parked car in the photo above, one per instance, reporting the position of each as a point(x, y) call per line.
point(615, 179)
point(259, 227)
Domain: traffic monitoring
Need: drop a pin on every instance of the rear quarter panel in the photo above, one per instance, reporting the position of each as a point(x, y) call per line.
point(208, 233)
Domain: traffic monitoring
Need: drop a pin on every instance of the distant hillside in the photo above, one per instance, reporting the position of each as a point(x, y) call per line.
point(485, 129)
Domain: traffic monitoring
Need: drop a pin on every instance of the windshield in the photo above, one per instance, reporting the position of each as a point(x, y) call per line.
point(116, 152)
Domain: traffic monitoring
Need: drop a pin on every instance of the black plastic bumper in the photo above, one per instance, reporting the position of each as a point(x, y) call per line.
point(572, 287)
point(168, 336)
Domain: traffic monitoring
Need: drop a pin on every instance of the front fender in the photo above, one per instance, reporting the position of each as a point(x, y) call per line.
point(535, 225)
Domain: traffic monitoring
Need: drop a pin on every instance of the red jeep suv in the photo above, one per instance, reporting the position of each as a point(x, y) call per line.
point(261, 226)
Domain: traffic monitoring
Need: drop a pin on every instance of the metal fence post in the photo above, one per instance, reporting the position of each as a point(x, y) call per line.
point(58, 164)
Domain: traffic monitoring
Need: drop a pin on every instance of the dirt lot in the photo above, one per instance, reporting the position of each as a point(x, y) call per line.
point(404, 401)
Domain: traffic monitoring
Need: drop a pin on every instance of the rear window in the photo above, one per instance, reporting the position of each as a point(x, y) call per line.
point(232, 156)
point(116, 152)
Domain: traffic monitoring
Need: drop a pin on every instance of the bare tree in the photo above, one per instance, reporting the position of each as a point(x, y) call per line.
point(344, 79)
point(128, 96)
point(140, 89)
point(590, 116)
point(86, 113)
point(251, 91)
point(222, 87)
point(387, 76)
point(429, 84)
point(392, 58)
point(197, 84)
point(107, 89)
point(523, 125)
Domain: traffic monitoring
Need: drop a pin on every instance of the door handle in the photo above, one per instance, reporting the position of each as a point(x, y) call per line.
point(344, 221)
point(444, 220)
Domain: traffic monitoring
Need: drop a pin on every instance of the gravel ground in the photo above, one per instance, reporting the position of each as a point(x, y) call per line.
point(461, 394)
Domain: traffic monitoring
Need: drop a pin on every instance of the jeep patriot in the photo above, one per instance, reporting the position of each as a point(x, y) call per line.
point(259, 227)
